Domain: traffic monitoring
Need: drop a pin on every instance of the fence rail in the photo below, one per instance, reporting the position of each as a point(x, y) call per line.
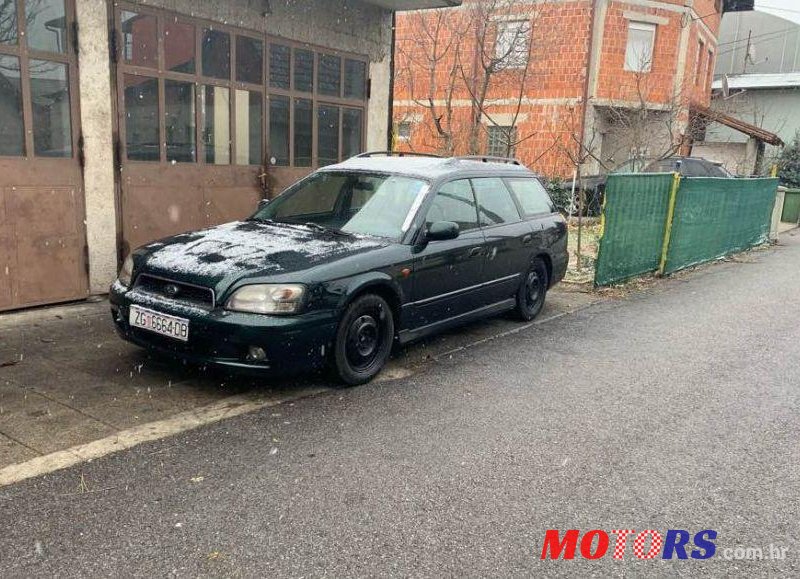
point(662, 222)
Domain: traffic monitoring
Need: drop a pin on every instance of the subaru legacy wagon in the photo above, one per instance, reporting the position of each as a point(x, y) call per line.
point(358, 256)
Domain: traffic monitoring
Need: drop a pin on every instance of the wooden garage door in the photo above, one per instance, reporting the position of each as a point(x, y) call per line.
point(207, 110)
point(42, 231)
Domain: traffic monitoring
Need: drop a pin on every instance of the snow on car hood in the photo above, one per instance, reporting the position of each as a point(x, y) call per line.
point(249, 248)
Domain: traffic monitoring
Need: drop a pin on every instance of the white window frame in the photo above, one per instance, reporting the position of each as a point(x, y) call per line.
point(512, 42)
point(700, 73)
point(640, 64)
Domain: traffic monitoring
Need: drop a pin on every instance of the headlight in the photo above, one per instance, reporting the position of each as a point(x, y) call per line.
point(267, 299)
point(126, 273)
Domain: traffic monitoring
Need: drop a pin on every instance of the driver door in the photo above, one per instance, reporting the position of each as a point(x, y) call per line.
point(448, 273)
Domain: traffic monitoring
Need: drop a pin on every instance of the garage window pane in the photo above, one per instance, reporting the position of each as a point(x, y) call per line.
point(52, 127)
point(179, 47)
point(304, 70)
point(216, 54)
point(217, 125)
point(46, 25)
point(12, 136)
point(248, 127)
point(139, 39)
point(8, 22)
point(330, 75)
point(328, 134)
point(249, 60)
point(141, 118)
point(352, 132)
point(303, 122)
point(279, 63)
point(279, 130)
point(355, 79)
point(180, 125)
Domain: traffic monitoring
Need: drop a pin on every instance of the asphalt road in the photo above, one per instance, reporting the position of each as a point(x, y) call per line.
point(676, 408)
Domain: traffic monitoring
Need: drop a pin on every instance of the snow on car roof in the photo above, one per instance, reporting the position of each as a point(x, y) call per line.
point(427, 167)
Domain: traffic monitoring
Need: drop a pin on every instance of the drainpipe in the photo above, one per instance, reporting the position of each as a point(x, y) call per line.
point(587, 83)
point(390, 133)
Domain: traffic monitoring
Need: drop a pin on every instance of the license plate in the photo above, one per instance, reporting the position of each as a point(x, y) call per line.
point(170, 326)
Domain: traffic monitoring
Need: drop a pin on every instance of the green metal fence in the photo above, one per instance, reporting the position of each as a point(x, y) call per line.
point(791, 206)
point(655, 222)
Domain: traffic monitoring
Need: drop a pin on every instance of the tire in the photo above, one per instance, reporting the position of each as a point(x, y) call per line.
point(364, 340)
point(532, 291)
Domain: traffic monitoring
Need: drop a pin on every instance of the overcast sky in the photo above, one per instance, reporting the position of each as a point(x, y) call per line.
point(788, 9)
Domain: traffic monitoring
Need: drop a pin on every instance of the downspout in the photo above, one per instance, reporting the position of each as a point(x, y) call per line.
point(587, 83)
point(392, 51)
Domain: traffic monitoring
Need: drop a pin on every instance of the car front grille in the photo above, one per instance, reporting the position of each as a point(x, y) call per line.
point(177, 291)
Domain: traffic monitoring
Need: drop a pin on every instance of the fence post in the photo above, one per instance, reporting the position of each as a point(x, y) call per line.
point(673, 194)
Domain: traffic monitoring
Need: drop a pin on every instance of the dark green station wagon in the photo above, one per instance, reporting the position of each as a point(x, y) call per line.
point(357, 256)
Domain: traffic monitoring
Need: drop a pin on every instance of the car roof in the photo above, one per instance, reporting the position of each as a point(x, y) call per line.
point(431, 168)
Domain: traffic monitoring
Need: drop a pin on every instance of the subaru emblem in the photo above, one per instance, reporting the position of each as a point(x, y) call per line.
point(171, 290)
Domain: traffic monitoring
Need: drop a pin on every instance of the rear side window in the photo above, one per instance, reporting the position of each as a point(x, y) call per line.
point(495, 204)
point(532, 196)
point(454, 202)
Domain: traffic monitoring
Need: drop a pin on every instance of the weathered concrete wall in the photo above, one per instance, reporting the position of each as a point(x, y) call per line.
point(97, 127)
point(738, 158)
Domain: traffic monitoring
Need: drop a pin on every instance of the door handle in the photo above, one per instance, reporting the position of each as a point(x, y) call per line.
point(475, 252)
point(527, 239)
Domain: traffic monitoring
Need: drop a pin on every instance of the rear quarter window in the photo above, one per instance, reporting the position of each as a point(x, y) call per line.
point(532, 196)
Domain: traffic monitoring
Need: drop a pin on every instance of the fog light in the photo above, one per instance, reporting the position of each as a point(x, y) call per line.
point(256, 354)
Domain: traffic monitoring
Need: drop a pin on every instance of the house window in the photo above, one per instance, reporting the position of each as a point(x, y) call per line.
point(502, 141)
point(404, 131)
point(710, 74)
point(513, 43)
point(699, 72)
point(217, 95)
point(639, 50)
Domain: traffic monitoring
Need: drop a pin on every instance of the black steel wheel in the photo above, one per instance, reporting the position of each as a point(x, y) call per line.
point(363, 340)
point(533, 290)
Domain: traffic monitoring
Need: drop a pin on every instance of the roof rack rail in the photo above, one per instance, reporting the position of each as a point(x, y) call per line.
point(488, 159)
point(395, 154)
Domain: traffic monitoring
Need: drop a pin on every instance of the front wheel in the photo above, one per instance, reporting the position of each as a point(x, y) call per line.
point(532, 291)
point(363, 340)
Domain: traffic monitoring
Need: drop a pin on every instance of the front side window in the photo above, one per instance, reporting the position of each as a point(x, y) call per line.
point(513, 42)
point(532, 196)
point(639, 50)
point(495, 204)
point(361, 203)
point(454, 202)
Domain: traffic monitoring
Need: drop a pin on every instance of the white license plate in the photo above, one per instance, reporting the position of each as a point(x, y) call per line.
point(177, 328)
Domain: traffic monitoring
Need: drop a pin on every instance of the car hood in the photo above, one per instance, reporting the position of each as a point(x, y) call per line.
point(242, 249)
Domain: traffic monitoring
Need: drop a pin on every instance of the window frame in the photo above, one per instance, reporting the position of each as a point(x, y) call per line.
point(69, 58)
point(507, 130)
point(234, 84)
point(513, 59)
point(642, 27)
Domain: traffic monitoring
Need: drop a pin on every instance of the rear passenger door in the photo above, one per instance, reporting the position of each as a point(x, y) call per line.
point(508, 239)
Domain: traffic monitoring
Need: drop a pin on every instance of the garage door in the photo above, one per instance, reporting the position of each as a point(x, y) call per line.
point(42, 232)
point(208, 111)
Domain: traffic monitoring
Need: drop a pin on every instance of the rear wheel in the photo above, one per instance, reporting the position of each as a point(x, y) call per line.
point(532, 291)
point(363, 340)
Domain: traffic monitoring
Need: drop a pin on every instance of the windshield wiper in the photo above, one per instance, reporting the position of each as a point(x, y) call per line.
point(323, 229)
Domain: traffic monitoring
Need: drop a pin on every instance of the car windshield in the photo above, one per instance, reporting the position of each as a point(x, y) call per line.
point(352, 202)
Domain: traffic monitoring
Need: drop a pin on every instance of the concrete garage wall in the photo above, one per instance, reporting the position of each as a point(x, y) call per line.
point(347, 25)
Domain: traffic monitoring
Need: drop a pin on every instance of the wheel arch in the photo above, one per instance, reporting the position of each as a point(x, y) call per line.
point(381, 285)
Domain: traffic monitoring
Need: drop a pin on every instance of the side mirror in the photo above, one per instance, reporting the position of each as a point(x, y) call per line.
point(442, 230)
point(263, 203)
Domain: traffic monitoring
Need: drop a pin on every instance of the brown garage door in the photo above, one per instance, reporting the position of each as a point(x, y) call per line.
point(204, 108)
point(42, 232)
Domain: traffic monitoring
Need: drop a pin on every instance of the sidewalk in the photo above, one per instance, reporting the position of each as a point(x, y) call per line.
point(66, 379)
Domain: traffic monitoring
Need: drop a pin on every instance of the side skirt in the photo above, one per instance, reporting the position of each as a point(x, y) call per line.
point(406, 336)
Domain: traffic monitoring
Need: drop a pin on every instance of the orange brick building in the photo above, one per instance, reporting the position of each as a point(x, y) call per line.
point(640, 65)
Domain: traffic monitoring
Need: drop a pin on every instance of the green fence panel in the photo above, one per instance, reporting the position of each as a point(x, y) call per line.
point(635, 213)
point(715, 217)
point(791, 206)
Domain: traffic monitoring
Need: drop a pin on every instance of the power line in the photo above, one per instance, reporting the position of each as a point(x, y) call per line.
point(778, 33)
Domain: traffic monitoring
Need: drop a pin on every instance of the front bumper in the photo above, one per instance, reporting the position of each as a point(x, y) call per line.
point(292, 343)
